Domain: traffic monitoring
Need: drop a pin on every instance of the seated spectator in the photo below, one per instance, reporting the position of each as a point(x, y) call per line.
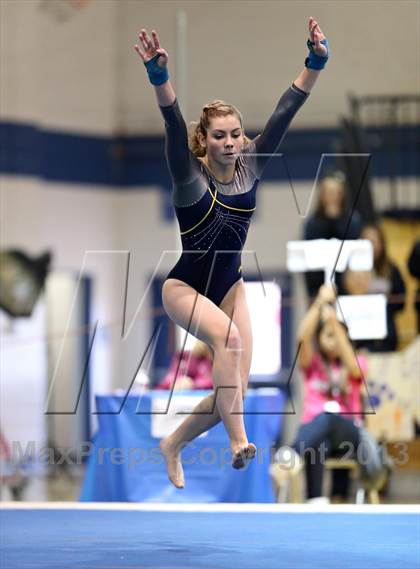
point(413, 265)
point(331, 422)
point(190, 370)
point(330, 220)
point(385, 278)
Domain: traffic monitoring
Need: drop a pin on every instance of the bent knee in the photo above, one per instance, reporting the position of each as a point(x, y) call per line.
point(228, 339)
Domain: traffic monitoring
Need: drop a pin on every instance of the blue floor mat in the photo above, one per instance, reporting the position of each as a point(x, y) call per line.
point(61, 539)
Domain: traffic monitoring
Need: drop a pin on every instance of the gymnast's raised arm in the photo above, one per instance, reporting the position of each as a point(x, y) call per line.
point(269, 140)
point(155, 59)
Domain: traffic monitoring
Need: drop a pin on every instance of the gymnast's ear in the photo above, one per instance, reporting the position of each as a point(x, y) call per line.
point(201, 139)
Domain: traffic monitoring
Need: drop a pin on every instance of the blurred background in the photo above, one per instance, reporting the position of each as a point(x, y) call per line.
point(87, 228)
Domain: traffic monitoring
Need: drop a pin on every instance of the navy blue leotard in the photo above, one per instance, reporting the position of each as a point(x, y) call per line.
point(214, 217)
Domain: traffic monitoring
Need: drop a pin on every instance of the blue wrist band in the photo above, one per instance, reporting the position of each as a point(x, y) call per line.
point(157, 75)
point(314, 61)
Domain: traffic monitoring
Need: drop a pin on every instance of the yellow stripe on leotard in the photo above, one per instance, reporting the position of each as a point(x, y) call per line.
point(201, 220)
point(215, 200)
point(228, 206)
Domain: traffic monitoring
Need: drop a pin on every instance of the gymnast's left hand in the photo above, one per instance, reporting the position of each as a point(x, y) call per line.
point(316, 35)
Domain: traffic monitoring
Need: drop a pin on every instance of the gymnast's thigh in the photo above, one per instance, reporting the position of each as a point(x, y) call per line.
point(235, 306)
point(195, 313)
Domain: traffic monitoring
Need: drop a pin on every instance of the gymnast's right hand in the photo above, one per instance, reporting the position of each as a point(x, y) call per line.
point(151, 48)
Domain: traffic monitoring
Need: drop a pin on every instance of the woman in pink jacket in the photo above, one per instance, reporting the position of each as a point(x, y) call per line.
point(190, 370)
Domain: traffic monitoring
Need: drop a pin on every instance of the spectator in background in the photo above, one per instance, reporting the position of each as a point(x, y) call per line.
point(332, 219)
point(413, 265)
point(414, 269)
point(331, 422)
point(190, 370)
point(385, 278)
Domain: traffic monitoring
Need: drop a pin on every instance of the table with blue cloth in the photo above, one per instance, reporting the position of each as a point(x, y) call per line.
point(125, 463)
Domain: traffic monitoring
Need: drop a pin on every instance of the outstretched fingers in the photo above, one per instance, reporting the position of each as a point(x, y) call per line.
point(155, 38)
point(139, 51)
point(148, 48)
point(145, 39)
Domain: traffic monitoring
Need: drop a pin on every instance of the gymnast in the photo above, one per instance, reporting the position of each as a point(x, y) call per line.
point(215, 176)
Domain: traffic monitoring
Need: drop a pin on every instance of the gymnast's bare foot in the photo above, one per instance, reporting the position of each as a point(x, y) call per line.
point(172, 457)
point(242, 456)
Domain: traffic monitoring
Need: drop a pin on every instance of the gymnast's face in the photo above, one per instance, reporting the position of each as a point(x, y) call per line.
point(224, 140)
